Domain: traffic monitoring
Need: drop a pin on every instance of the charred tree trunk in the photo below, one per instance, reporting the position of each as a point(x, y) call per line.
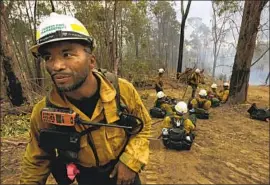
point(245, 51)
point(182, 36)
point(12, 83)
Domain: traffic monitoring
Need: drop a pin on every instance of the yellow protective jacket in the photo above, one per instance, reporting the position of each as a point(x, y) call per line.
point(165, 106)
point(201, 103)
point(107, 140)
point(188, 125)
point(194, 78)
point(159, 82)
point(223, 95)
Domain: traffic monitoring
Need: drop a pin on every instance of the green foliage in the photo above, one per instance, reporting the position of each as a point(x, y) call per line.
point(138, 69)
point(230, 6)
point(13, 125)
point(43, 8)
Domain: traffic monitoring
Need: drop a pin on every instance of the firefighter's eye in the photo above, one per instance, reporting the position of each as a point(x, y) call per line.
point(66, 55)
point(46, 57)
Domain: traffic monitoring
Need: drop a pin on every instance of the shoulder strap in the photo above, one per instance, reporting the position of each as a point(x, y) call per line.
point(173, 122)
point(114, 81)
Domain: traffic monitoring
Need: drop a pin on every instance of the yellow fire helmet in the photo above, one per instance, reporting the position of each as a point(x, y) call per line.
point(58, 27)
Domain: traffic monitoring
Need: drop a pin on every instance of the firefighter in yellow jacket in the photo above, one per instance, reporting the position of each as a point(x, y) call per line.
point(180, 110)
point(224, 94)
point(194, 81)
point(159, 81)
point(212, 95)
point(201, 102)
point(103, 156)
point(161, 103)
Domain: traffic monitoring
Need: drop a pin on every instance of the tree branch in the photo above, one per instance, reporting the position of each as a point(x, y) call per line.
point(187, 9)
point(223, 66)
point(182, 8)
point(259, 57)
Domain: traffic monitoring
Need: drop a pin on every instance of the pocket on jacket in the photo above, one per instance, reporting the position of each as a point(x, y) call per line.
point(116, 138)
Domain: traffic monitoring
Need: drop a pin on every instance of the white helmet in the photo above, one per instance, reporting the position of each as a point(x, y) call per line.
point(161, 70)
point(214, 86)
point(58, 27)
point(160, 94)
point(202, 92)
point(181, 107)
point(197, 71)
point(226, 84)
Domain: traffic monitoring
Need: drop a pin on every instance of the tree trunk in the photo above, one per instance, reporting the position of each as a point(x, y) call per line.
point(267, 78)
point(182, 37)
point(114, 40)
point(121, 41)
point(107, 37)
point(137, 46)
point(12, 83)
point(245, 51)
point(214, 65)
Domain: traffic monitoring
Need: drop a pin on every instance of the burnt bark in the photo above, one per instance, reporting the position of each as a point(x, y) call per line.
point(245, 51)
point(13, 85)
point(11, 81)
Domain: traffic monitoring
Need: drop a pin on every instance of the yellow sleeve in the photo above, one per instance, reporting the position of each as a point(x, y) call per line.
point(136, 153)
point(207, 105)
point(157, 82)
point(194, 103)
point(192, 78)
point(220, 94)
point(166, 122)
point(188, 125)
point(225, 96)
point(201, 79)
point(167, 108)
point(35, 166)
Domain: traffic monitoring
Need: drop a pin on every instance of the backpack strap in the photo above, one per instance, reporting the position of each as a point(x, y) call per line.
point(173, 122)
point(114, 81)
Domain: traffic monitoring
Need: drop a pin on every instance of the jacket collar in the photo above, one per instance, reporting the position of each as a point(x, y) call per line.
point(107, 95)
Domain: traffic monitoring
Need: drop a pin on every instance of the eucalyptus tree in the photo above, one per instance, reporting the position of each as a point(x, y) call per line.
point(242, 61)
point(11, 80)
point(182, 34)
point(166, 33)
point(199, 41)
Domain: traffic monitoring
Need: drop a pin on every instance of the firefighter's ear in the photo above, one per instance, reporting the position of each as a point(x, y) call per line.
point(92, 61)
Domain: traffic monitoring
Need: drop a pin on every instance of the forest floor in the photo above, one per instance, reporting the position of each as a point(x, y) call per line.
point(229, 148)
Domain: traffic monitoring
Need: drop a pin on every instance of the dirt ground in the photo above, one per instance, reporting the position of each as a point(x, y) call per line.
point(229, 148)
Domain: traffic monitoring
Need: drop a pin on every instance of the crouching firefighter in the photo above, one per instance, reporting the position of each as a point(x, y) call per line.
point(200, 106)
point(92, 127)
point(177, 132)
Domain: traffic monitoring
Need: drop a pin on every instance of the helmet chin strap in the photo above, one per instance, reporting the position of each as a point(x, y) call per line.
point(179, 114)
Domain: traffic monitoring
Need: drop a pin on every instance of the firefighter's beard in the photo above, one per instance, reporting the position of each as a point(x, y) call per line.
point(78, 80)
